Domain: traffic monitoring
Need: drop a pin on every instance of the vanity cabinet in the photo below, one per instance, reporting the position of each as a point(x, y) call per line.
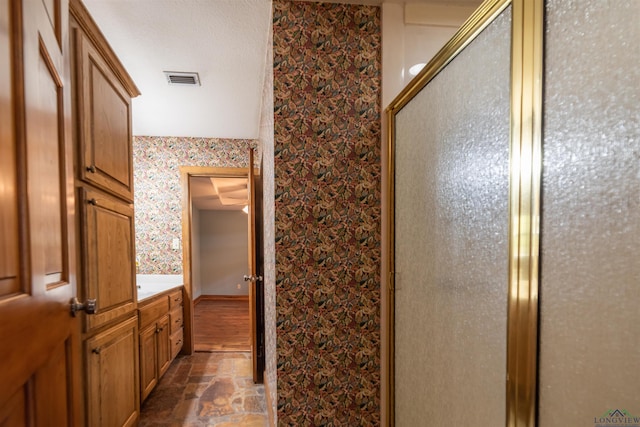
point(155, 356)
point(176, 318)
point(112, 380)
point(101, 93)
point(160, 340)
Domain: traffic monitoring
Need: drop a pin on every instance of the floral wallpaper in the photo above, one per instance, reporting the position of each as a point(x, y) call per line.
point(327, 212)
point(158, 194)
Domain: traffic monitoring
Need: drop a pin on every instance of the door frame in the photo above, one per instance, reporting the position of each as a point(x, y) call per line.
point(187, 172)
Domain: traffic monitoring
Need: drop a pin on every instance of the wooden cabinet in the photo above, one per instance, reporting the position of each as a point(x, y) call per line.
point(112, 380)
point(108, 265)
point(176, 318)
point(160, 337)
point(155, 357)
point(104, 117)
point(101, 121)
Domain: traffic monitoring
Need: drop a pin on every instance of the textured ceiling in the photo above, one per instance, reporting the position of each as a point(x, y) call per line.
point(225, 41)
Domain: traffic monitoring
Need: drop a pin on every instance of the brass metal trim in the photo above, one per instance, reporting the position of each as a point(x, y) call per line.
point(524, 210)
point(478, 21)
point(391, 277)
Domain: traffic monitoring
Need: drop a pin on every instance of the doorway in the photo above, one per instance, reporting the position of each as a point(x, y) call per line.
point(219, 250)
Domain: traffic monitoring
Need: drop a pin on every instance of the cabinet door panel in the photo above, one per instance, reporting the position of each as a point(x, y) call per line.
point(109, 274)
point(112, 378)
point(148, 361)
point(105, 130)
point(164, 345)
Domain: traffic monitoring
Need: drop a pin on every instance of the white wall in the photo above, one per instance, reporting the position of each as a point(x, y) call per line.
point(223, 252)
point(196, 283)
point(413, 33)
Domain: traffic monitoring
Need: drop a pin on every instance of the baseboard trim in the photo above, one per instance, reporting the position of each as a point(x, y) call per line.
point(221, 298)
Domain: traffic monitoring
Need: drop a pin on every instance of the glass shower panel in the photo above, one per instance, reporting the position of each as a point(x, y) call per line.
point(589, 360)
point(451, 241)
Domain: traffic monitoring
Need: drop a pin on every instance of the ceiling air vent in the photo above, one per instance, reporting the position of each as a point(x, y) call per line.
point(188, 79)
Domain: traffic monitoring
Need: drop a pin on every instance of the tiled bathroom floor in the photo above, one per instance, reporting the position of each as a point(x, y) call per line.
point(207, 389)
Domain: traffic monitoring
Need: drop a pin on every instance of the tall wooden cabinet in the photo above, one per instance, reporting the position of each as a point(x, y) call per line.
point(101, 95)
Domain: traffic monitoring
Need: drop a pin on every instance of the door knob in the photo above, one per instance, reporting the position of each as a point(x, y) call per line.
point(88, 307)
point(252, 278)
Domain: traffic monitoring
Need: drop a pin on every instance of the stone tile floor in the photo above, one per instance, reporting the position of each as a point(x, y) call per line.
point(207, 389)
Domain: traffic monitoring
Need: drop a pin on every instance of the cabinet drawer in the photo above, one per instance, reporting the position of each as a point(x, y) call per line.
point(175, 299)
point(176, 343)
point(149, 313)
point(175, 317)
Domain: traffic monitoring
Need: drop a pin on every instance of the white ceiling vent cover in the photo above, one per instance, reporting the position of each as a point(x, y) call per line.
point(183, 79)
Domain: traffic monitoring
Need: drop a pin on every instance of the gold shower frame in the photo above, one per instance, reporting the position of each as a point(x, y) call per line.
point(525, 165)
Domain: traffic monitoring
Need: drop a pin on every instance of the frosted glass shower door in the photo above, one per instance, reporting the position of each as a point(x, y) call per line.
point(590, 270)
point(451, 240)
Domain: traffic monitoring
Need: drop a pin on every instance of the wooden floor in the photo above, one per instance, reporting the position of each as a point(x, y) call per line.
point(222, 325)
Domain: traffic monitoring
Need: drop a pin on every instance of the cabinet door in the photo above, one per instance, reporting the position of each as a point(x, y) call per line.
point(104, 112)
point(108, 246)
point(148, 361)
point(112, 377)
point(164, 345)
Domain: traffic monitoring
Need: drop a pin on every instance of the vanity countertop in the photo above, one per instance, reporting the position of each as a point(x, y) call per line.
point(150, 285)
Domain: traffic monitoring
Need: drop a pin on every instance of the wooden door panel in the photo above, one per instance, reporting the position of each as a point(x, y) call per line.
point(113, 376)
point(257, 355)
point(148, 361)
point(51, 392)
point(46, 379)
point(108, 242)
point(110, 126)
point(9, 265)
point(164, 345)
point(39, 340)
point(14, 413)
point(45, 145)
point(105, 114)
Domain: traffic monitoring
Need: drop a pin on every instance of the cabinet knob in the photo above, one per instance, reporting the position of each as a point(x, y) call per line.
point(92, 202)
point(91, 169)
point(96, 350)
